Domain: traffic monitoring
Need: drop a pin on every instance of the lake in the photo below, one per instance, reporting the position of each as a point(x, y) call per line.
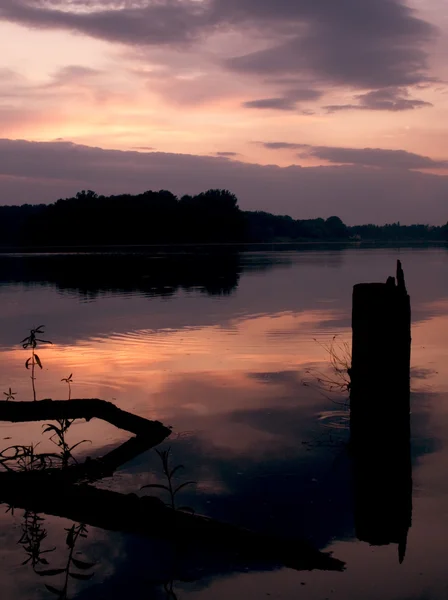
point(232, 351)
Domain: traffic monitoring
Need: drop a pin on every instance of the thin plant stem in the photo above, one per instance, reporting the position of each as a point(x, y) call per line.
point(32, 340)
point(33, 377)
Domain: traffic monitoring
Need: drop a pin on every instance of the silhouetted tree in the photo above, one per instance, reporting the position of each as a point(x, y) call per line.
point(445, 232)
point(89, 219)
point(335, 228)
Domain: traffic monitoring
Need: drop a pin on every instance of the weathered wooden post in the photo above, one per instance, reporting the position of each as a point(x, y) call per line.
point(379, 411)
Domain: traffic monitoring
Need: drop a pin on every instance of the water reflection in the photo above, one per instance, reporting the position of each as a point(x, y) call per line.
point(90, 275)
point(382, 474)
point(227, 371)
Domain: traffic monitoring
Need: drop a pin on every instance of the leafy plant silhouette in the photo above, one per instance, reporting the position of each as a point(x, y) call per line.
point(75, 568)
point(33, 534)
point(60, 431)
point(24, 458)
point(10, 395)
point(171, 488)
point(31, 341)
point(68, 380)
point(59, 438)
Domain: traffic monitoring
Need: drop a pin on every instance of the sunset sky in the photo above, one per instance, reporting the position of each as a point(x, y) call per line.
point(305, 107)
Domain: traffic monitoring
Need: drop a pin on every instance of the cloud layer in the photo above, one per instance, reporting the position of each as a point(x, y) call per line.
point(366, 157)
point(36, 172)
point(392, 99)
point(371, 45)
point(199, 79)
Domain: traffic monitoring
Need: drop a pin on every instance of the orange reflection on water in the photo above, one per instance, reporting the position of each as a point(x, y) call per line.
point(192, 377)
point(110, 366)
point(429, 347)
point(185, 377)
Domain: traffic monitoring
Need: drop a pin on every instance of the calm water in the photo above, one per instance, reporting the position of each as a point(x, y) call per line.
point(228, 350)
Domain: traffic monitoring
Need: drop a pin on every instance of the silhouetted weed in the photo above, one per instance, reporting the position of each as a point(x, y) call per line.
point(32, 537)
point(68, 380)
point(60, 430)
point(59, 438)
point(340, 362)
point(10, 395)
point(33, 534)
point(31, 341)
point(171, 488)
point(24, 458)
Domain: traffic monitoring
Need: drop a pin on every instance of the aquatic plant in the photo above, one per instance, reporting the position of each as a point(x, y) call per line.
point(60, 432)
point(171, 488)
point(24, 458)
point(31, 341)
point(59, 438)
point(336, 380)
point(334, 383)
point(340, 355)
point(33, 534)
point(68, 380)
point(10, 395)
point(75, 568)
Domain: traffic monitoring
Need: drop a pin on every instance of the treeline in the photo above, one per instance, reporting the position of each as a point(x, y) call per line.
point(148, 218)
point(398, 232)
point(162, 218)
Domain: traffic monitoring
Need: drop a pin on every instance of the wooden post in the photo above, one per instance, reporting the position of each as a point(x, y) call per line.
point(379, 411)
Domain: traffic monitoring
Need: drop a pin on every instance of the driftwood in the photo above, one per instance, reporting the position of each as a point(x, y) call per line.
point(148, 434)
point(92, 469)
point(50, 410)
point(150, 517)
point(54, 492)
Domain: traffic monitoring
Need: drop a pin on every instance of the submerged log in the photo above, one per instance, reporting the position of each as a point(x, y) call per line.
point(93, 469)
point(148, 434)
point(150, 517)
point(54, 492)
point(51, 410)
point(380, 412)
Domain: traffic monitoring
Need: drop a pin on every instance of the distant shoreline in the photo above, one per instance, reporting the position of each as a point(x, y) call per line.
point(197, 248)
point(163, 222)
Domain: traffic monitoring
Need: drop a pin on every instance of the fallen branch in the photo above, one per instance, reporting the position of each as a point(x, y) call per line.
point(150, 517)
point(93, 469)
point(52, 491)
point(51, 410)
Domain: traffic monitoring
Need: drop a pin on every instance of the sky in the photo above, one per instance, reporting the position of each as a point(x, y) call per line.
point(302, 107)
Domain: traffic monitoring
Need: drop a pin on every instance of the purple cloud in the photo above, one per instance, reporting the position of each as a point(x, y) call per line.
point(133, 23)
point(391, 99)
point(272, 104)
point(374, 157)
point(282, 145)
point(371, 44)
point(42, 172)
point(366, 157)
point(289, 100)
